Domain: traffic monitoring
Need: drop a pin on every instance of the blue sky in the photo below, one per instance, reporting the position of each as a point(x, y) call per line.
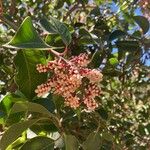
point(115, 9)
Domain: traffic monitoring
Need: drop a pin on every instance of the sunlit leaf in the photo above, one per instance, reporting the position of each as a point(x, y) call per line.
point(31, 107)
point(107, 136)
point(38, 143)
point(28, 78)
point(143, 23)
point(27, 37)
point(113, 61)
point(128, 45)
point(54, 26)
point(14, 132)
point(93, 142)
point(96, 59)
point(5, 104)
point(116, 34)
point(71, 143)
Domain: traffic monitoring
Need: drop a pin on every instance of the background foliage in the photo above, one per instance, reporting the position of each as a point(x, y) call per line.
point(118, 39)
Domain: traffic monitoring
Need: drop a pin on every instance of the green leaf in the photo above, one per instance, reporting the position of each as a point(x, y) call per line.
point(113, 61)
point(59, 4)
point(86, 37)
point(31, 107)
point(58, 101)
point(54, 40)
point(96, 59)
point(103, 113)
point(38, 143)
point(93, 141)
point(143, 23)
point(98, 2)
point(128, 45)
point(148, 127)
point(71, 143)
point(14, 132)
point(116, 34)
point(26, 37)
point(14, 118)
point(44, 127)
point(141, 129)
point(83, 32)
point(137, 34)
point(69, 2)
point(107, 136)
point(28, 78)
point(86, 40)
point(6, 104)
point(54, 26)
point(95, 11)
point(111, 72)
point(46, 102)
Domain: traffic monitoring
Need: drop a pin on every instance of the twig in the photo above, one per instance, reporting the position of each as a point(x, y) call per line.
point(4, 19)
point(71, 10)
point(77, 6)
point(65, 51)
point(59, 55)
point(13, 7)
point(1, 8)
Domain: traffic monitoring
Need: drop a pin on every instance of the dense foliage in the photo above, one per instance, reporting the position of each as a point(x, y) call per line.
point(74, 75)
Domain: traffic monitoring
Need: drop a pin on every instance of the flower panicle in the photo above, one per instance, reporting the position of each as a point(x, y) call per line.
point(67, 80)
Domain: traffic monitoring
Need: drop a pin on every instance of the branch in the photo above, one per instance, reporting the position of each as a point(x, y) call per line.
point(1, 8)
point(71, 10)
point(4, 19)
point(60, 55)
point(77, 6)
point(13, 7)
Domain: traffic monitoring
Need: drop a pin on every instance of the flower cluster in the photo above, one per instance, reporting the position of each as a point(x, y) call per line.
point(93, 75)
point(81, 61)
point(145, 5)
point(90, 93)
point(67, 80)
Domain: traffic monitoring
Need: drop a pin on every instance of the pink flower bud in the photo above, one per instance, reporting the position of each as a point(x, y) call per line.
point(67, 80)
